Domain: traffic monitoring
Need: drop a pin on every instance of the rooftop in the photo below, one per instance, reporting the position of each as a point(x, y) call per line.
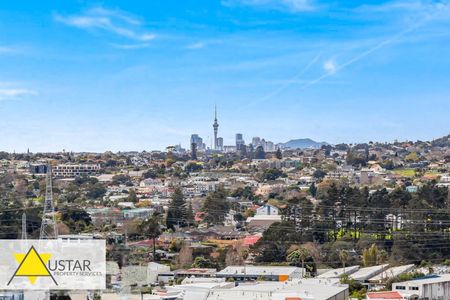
point(258, 270)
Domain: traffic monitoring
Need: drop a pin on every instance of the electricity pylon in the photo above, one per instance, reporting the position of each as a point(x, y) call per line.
point(48, 225)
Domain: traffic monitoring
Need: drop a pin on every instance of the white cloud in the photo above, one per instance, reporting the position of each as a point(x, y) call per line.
point(15, 93)
point(194, 46)
point(8, 50)
point(116, 22)
point(299, 5)
point(291, 5)
point(330, 66)
point(406, 5)
point(131, 46)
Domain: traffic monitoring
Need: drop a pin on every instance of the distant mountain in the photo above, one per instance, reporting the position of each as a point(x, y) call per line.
point(302, 143)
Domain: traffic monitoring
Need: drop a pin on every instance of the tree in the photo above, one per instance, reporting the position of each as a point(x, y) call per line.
point(150, 227)
point(193, 166)
point(275, 242)
point(382, 256)
point(278, 154)
point(343, 257)
point(194, 151)
point(150, 174)
point(400, 198)
point(4, 155)
point(412, 157)
point(189, 215)
point(370, 256)
point(95, 191)
point(201, 262)
point(176, 214)
point(259, 153)
point(216, 206)
point(298, 256)
point(122, 179)
point(272, 174)
point(319, 174)
point(355, 159)
point(76, 218)
point(313, 189)
point(132, 196)
point(244, 193)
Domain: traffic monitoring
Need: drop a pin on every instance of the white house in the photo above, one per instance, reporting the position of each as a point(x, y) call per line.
point(153, 270)
point(267, 210)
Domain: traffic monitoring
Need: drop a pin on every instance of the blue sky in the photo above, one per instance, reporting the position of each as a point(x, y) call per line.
point(141, 75)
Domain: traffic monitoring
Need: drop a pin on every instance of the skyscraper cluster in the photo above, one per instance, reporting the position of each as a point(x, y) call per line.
point(268, 146)
point(217, 144)
point(198, 141)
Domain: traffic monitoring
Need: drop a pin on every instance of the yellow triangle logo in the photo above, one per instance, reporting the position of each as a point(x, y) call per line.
point(32, 265)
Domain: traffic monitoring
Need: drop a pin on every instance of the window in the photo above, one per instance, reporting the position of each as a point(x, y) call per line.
point(400, 287)
point(414, 288)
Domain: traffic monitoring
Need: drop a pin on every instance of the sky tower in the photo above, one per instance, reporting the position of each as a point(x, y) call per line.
point(216, 127)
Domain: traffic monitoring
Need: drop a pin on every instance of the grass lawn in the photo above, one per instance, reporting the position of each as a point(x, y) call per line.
point(405, 172)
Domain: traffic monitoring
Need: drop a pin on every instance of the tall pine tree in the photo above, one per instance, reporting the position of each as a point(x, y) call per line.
point(176, 214)
point(216, 206)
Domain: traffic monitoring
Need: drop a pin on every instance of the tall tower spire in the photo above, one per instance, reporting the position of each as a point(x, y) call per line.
point(216, 127)
point(48, 225)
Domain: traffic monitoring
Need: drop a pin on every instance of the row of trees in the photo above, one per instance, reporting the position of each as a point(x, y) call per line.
point(406, 227)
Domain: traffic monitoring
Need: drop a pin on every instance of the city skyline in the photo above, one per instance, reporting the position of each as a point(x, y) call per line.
point(83, 76)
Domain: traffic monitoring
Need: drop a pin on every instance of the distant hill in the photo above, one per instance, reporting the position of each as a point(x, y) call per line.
point(302, 143)
point(442, 142)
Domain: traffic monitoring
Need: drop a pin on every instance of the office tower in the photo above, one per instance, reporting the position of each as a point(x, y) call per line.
point(269, 146)
point(239, 141)
point(196, 139)
point(219, 144)
point(256, 141)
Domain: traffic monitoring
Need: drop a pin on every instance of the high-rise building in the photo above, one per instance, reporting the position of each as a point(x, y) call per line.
point(196, 139)
point(239, 141)
point(256, 141)
point(216, 128)
point(219, 144)
point(269, 146)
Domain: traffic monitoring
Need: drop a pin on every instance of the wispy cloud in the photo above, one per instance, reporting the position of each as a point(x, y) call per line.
point(194, 46)
point(287, 83)
point(396, 5)
point(5, 50)
point(330, 66)
point(8, 50)
point(131, 46)
point(289, 5)
point(15, 93)
point(116, 22)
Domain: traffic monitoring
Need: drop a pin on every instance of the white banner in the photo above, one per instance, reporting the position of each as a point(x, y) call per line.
point(52, 264)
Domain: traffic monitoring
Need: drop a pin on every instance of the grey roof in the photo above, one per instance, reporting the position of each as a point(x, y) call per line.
point(259, 270)
point(369, 272)
point(336, 273)
point(415, 282)
point(392, 272)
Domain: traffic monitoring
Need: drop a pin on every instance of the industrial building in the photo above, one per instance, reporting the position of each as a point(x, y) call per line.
point(304, 289)
point(268, 273)
point(430, 288)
